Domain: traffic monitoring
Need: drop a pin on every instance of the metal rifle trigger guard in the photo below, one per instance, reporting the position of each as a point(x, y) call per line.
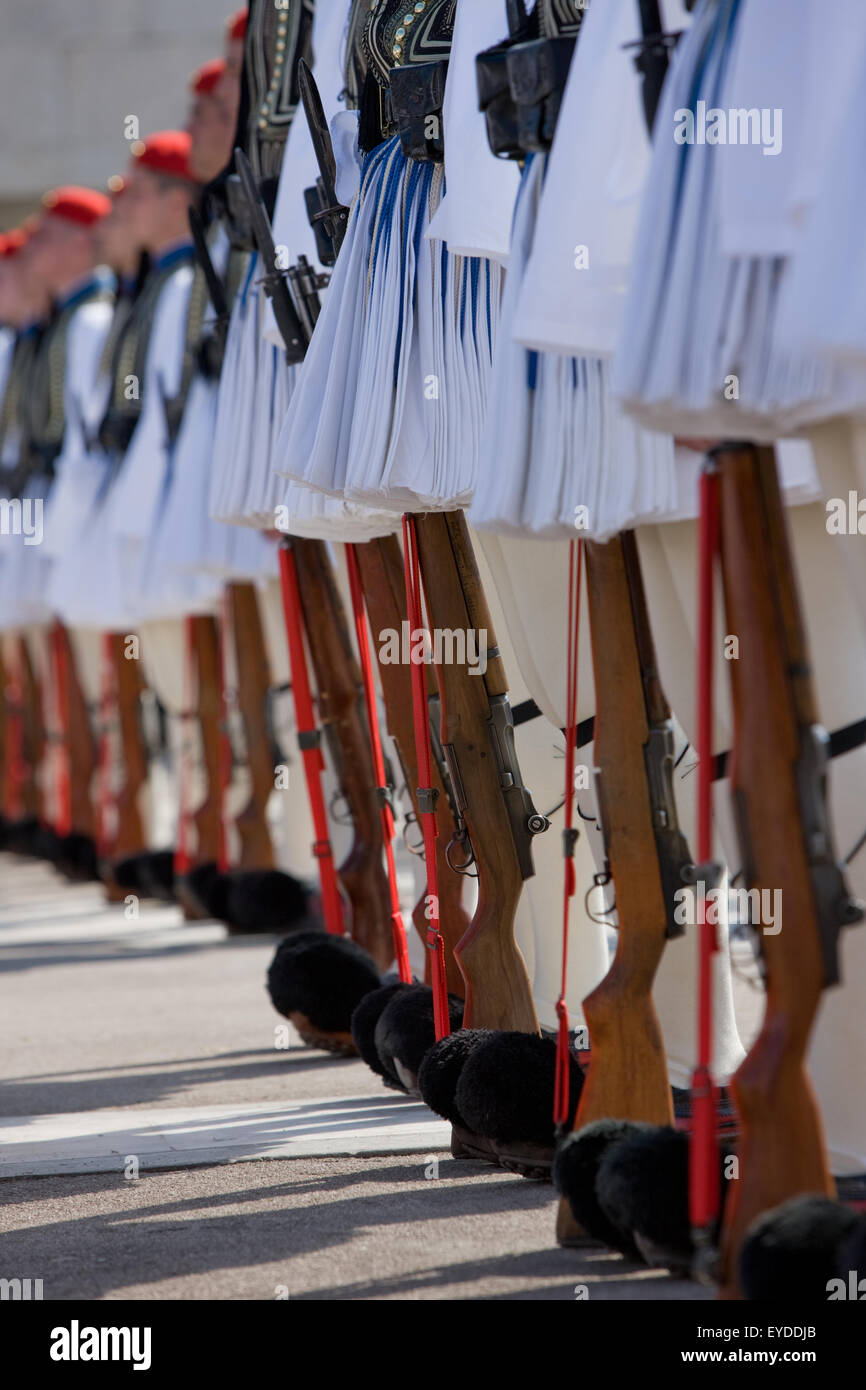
point(418, 849)
point(345, 816)
point(461, 838)
point(600, 880)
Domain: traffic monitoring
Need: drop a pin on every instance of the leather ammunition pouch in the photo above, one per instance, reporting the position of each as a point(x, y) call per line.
point(537, 74)
point(415, 98)
point(496, 102)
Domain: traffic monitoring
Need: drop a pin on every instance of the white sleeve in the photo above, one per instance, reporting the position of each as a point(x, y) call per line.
point(574, 288)
point(88, 331)
point(474, 217)
point(136, 492)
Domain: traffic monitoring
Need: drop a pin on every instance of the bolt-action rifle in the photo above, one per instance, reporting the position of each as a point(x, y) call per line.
point(256, 848)
point(340, 707)
point(778, 783)
point(129, 836)
point(75, 731)
point(381, 566)
point(32, 733)
point(5, 729)
point(494, 806)
point(273, 279)
point(207, 712)
point(647, 855)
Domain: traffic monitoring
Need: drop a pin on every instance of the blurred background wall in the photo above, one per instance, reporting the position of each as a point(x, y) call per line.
point(72, 71)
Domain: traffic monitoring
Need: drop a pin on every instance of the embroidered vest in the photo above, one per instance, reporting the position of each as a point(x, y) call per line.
point(399, 34)
point(42, 411)
point(129, 360)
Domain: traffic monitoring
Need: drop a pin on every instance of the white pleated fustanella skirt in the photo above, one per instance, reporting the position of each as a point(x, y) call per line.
point(557, 451)
point(389, 407)
point(698, 351)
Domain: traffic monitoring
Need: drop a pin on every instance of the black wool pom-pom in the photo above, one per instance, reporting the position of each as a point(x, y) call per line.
point(205, 887)
point(264, 900)
point(77, 857)
point(38, 841)
point(126, 873)
point(157, 875)
point(441, 1068)
point(575, 1172)
point(322, 977)
point(791, 1252)
point(406, 1031)
point(365, 1019)
point(248, 900)
point(25, 836)
point(852, 1259)
point(505, 1091)
point(643, 1189)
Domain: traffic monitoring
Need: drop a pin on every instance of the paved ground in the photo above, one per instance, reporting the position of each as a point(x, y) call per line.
point(152, 1040)
point(376, 1228)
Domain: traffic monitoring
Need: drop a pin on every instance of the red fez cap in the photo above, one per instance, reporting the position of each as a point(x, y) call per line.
point(165, 152)
point(208, 75)
point(237, 25)
point(13, 241)
point(81, 205)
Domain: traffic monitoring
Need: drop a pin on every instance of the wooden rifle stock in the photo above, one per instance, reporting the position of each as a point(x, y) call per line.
point(5, 732)
point(381, 565)
point(80, 742)
point(781, 1151)
point(129, 837)
point(338, 682)
point(498, 993)
point(627, 1077)
point(256, 848)
point(32, 734)
point(208, 714)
